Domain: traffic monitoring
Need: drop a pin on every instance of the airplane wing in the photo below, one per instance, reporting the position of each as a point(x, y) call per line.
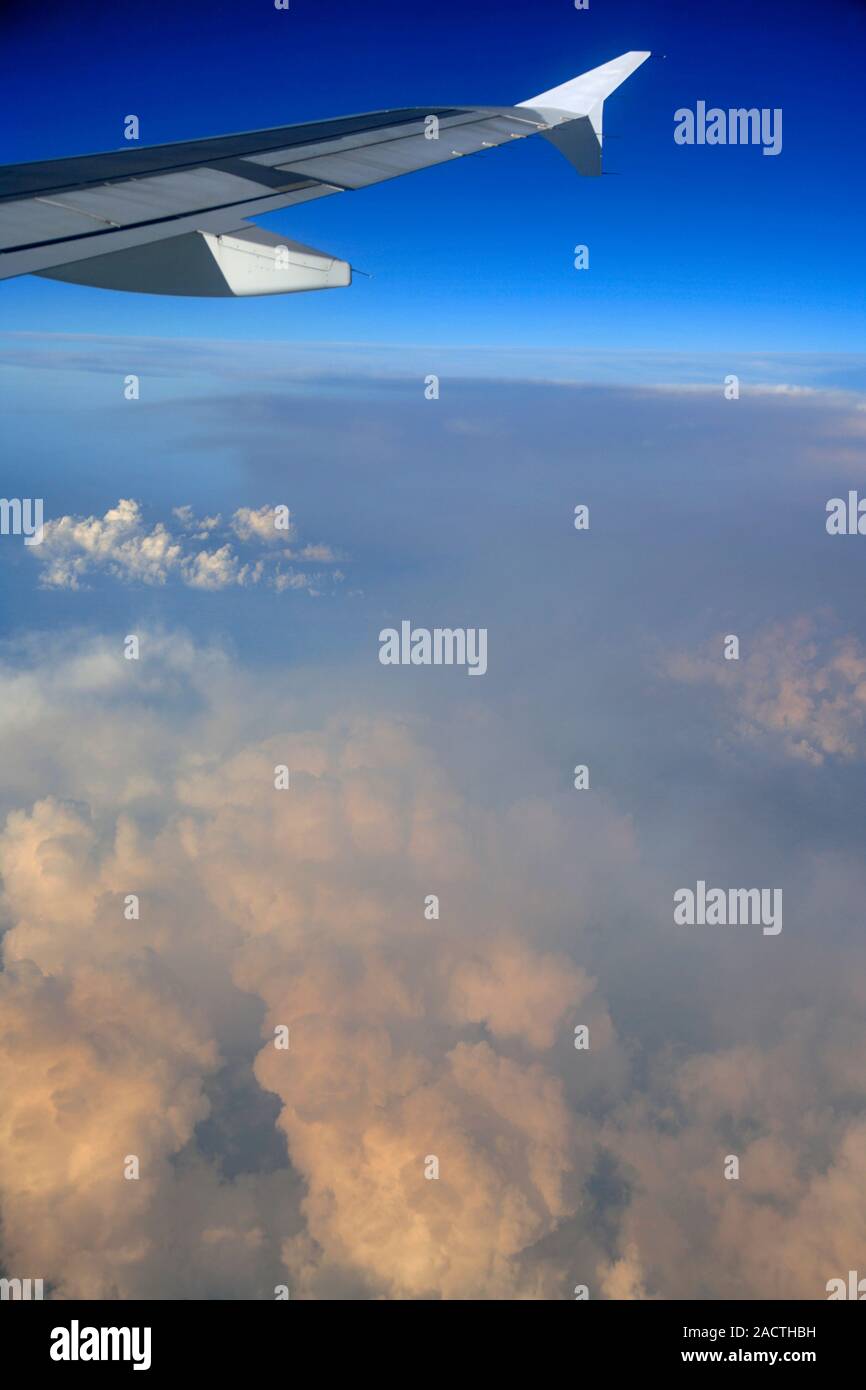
point(172, 219)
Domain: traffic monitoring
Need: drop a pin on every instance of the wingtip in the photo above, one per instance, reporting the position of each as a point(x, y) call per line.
point(581, 93)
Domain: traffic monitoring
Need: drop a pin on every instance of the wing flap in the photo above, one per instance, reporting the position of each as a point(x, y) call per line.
point(163, 196)
point(246, 261)
point(357, 167)
point(31, 260)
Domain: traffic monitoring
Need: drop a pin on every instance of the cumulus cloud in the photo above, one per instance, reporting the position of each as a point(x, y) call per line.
point(122, 545)
point(792, 1115)
point(200, 527)
point(409, 1040)
point(98, 1067)
point(264, 524)
point(118, 542)
point(797, 683)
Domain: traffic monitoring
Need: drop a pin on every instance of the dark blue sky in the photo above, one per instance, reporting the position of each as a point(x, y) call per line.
point(692, 249)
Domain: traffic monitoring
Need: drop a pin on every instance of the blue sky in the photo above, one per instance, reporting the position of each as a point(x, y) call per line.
point(692, 249)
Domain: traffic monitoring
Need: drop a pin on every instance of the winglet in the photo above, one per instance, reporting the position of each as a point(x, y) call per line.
point(575, 110)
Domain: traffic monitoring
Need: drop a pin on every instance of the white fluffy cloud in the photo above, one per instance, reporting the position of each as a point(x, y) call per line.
point(122, 545)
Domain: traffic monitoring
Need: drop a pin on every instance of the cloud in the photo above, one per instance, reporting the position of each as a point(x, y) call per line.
point(263, 525)
point(412, 1042)
point(791, 1114)
point(121, 545)
point(199, 527)
point(117, 542)
point(797, 684)
point(281, 363)
point(218, 569)
point(409, 1039)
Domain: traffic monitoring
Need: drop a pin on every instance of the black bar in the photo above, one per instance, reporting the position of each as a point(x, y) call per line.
point(253, 1338)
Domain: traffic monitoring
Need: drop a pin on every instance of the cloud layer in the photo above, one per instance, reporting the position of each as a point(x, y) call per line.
point(410, 1039)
